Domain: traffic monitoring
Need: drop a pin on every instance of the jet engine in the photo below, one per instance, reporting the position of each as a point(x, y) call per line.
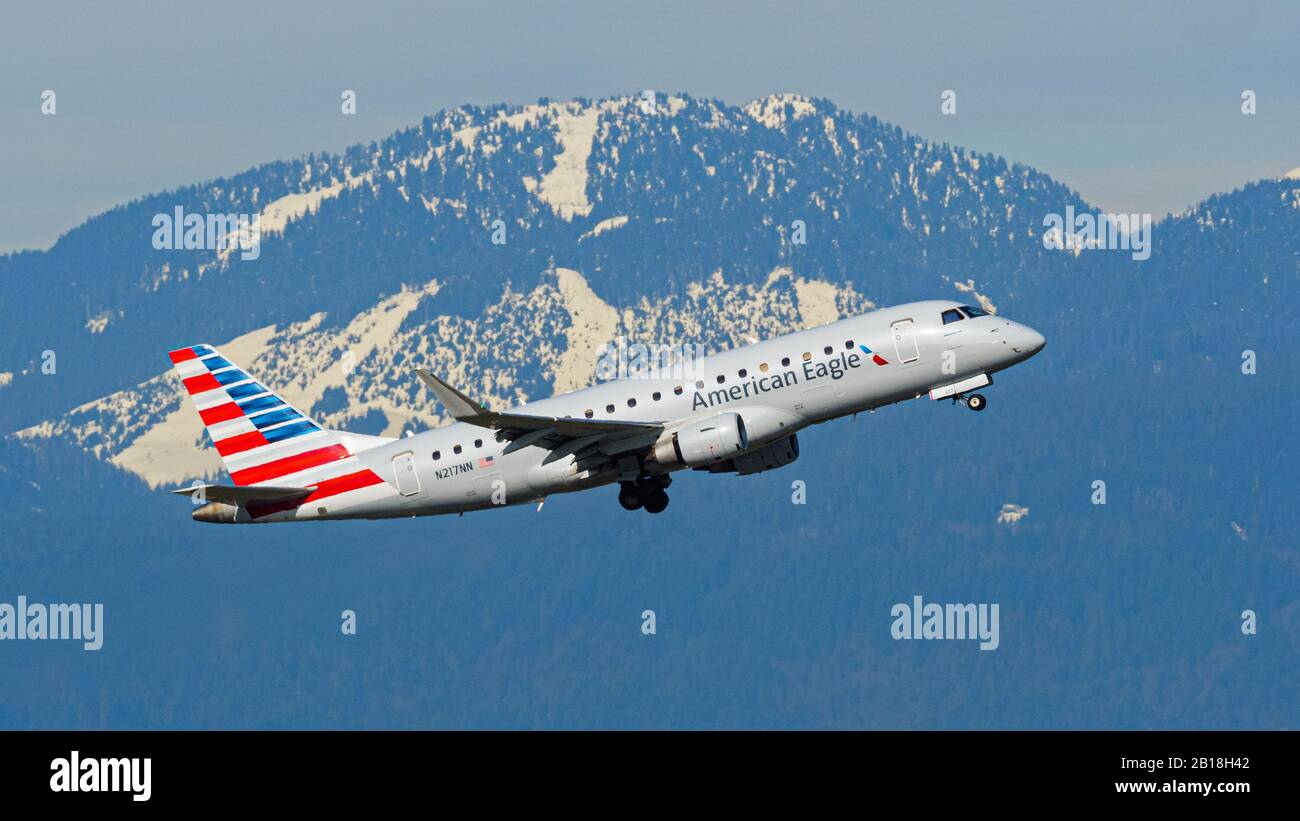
point(707, 442)
point(769, 457)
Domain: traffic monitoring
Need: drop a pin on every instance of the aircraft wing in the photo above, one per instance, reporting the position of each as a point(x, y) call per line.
point(243, 495)
point(555, 433)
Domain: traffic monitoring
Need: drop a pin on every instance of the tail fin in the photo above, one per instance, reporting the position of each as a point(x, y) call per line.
point(262, 439)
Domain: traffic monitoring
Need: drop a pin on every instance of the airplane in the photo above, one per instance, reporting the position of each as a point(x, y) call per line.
point(737, 411)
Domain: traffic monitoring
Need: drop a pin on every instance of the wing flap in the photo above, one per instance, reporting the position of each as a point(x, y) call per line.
point(566, 425)
point(550, 432)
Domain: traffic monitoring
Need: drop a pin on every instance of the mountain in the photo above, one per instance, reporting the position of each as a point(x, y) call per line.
point(632, 200)
point(676, 224)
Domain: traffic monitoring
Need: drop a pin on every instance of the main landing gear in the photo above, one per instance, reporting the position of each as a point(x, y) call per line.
point(648, 492)
point(974, 401)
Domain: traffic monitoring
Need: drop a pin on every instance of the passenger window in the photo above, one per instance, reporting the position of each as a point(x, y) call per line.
point(952, 315)
point(656, 396)
point(785, 361)
point(848, 344)
point(631, 403)
point(437, 454)
point(807, 357)
point(742, 373)
point(588, 413)
point(828, 350)
point(763, 367)
point(721, 378)
point(678, 390)
point(699, 384)
point(478, 443)
point(456, 449)
point(609, 409)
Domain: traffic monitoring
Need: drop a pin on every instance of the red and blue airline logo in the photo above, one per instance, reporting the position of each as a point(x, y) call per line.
point(875, 357)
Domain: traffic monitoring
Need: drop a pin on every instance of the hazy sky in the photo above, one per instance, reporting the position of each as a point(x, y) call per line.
point(1137, 106)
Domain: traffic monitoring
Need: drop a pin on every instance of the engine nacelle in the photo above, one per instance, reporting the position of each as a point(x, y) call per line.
point(769, 457)
point(701, 444)
point(766, 424)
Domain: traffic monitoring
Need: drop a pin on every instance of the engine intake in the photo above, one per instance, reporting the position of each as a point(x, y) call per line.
point(707, 442)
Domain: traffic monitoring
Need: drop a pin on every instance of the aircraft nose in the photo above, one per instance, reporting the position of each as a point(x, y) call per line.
point(1033, 340)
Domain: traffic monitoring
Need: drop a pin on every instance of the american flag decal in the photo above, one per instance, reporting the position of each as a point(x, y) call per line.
point(486, 462)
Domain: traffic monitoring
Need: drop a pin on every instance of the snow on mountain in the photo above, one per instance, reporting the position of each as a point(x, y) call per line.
point(564, 187)
point(775, 110)
point(605, 225)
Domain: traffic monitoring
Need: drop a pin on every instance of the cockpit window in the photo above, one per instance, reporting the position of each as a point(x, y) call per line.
point(952, 315)
point(971, 311)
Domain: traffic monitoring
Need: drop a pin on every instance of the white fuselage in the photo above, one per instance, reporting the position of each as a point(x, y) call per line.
point(789, 383)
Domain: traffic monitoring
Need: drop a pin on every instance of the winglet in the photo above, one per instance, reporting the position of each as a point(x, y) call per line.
point(457, 404)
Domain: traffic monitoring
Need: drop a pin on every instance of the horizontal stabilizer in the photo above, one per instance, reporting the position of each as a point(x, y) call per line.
point(243, 495)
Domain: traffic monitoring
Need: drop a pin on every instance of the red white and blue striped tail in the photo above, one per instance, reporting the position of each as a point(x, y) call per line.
point(262, 439)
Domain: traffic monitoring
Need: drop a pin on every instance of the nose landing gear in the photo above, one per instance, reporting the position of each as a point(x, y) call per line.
point(974, 401)
point(647, 492)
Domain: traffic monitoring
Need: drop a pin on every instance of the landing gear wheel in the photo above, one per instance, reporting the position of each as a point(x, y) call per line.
point(628, 496)
point(976, 402)
point(656, 502)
